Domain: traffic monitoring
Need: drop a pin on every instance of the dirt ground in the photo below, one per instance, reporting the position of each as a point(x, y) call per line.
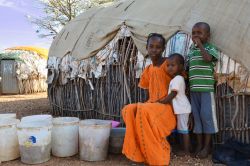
point(38, 103)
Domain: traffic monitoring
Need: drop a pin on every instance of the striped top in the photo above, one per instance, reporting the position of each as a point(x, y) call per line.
point(201, 73)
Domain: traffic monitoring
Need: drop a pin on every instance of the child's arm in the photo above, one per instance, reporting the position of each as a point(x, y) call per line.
point(206, 56)
point(168, 99)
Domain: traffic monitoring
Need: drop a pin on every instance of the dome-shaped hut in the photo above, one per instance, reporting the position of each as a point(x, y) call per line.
point(23, 70)
point(96, 60)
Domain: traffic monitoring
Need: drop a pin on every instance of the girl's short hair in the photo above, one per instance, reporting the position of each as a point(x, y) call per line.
point(151, 35)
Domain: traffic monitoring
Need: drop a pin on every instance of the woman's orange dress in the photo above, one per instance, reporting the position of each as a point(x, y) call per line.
point(148, 124)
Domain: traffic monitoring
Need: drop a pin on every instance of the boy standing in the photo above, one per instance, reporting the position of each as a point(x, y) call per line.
point(202, 57)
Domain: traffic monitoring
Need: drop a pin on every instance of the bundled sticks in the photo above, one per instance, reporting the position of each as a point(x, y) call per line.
point(33, 85)
point(118, 86)
point(232, 101)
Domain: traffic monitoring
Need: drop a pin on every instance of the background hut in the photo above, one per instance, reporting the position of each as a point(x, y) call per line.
point(96, 60)
point(23, 70)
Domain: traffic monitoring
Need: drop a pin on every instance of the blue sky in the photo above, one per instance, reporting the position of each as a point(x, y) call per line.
point(15, 27)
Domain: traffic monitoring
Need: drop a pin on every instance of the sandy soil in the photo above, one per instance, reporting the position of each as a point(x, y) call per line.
point(24, 105)
point(38, 103)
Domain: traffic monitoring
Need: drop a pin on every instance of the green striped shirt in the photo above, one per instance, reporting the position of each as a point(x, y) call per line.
point(201, 73)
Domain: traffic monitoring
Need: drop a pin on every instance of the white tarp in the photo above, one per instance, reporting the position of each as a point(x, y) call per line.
point(94, 29)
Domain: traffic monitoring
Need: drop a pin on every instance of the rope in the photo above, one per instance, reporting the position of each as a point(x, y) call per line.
point(88, 110)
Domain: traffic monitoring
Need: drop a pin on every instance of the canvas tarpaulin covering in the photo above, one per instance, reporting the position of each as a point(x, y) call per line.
point(84, 36)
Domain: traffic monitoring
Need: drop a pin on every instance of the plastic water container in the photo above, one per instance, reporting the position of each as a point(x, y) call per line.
point(34, 141)
point(116, 140)
point(37, 118)
point(9, 148)
point(8, 115)
point(65, 136)
point(94, 139)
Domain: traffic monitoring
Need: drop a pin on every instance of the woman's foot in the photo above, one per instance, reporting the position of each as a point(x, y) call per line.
point(136, 163)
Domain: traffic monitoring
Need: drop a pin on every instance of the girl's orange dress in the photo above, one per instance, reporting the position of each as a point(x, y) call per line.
point(148, 124)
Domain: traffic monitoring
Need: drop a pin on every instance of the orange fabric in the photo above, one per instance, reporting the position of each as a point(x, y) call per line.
point(156, 80)
point(148, 124)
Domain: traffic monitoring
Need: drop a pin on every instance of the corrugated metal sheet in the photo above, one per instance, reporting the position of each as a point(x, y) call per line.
point(9, 80)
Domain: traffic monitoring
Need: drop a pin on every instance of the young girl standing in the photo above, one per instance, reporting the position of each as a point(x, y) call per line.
point(148, 124)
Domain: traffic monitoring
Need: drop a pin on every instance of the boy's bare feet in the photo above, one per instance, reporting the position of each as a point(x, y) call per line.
point(197, 150)
point(203, 153)
point(207, 146)
point(199, 144)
